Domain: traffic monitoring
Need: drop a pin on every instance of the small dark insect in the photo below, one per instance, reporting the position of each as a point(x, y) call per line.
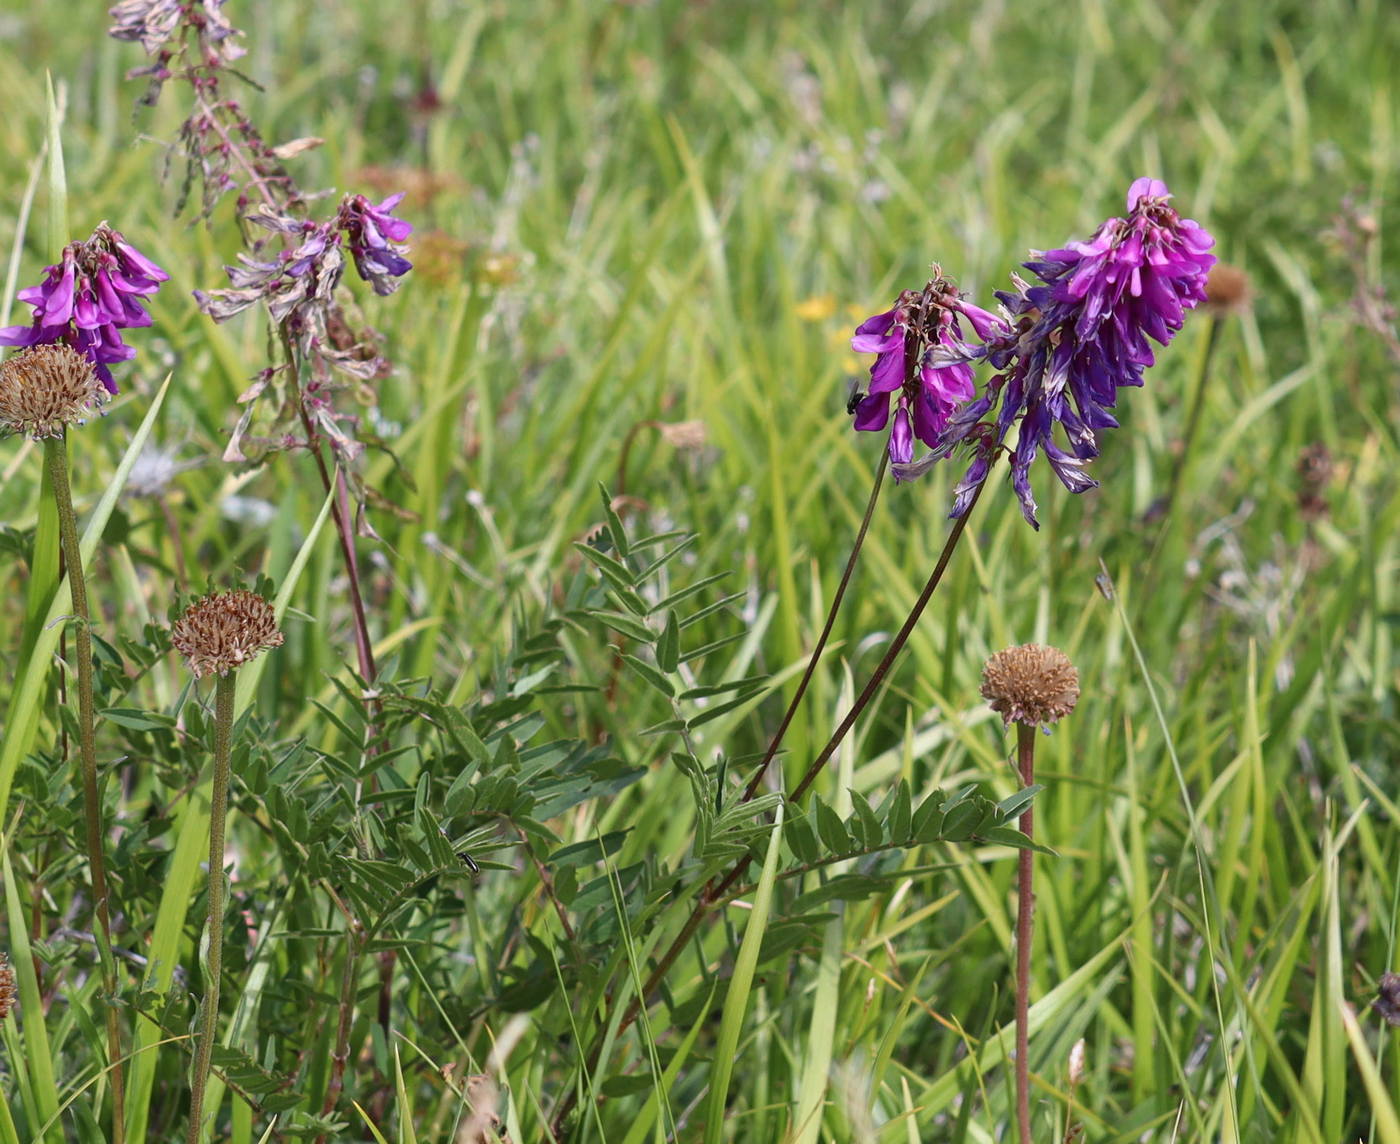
point(469, 861)
point(855, 399)
point(1387, 1004)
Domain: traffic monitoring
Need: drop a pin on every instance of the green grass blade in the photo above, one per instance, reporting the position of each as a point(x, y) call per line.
point(736, 1001)
point(37, 1055)
point(22, 722)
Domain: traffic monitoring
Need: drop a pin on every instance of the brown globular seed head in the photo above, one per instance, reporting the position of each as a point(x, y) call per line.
point(1031, 684)
point(225, 630)
point(44, 389)
point(7, 987)
point(1227, 290)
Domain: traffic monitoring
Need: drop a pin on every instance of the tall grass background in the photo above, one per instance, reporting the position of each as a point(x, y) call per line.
point(639, 214)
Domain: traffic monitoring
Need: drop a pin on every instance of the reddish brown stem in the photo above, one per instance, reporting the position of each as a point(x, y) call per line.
point(1025, 918)
point(716, 891)
point(816, 655)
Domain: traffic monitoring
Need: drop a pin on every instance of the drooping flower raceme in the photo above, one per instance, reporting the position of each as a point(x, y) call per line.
point(96, 290)
point(1080, 334)
point(922, 357)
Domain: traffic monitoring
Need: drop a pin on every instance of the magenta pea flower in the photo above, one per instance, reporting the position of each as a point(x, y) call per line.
point(922, 360)
point(96, 289)
point(375, 237)
point(1079, 335)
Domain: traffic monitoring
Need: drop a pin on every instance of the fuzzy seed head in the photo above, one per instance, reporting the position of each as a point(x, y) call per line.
point(44, 389)
point(1031, 684)
point(225, 630)
point(7, 987)
point(1077, 1054)
point(1227, 290)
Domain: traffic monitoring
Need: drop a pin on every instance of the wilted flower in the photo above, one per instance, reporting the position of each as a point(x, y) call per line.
point(376, 238)
point(225, 630)
point(46, 388)
point(1031, 684)
point(921, 355)
point(1081, 334)
point(95, 290)
point(154, 22)
point(1387, 1002)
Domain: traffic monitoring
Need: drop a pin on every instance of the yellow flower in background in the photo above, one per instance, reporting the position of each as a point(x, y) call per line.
point(817, 308)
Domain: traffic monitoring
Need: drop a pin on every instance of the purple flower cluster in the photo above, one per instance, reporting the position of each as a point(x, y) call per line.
point(922, 357)
point(1071, 341)
point(96, 290)
point(375, 237)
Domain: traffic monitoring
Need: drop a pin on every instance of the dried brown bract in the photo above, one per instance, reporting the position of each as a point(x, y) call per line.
point(7, 987)
point(225, 630)
point(46, 388)
point(1031, 684)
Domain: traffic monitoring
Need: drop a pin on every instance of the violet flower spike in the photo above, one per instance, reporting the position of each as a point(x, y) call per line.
point(1082, 332)
point(922, 357)
point(376, 240)
point(96, 289)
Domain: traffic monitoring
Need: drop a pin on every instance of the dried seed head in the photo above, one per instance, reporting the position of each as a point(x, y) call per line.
point(7, 987)
point(46, 388)
point(1075, 1072)
point(225, 630)
point(690, 435)
point(1227, 290)
point(1031, 684)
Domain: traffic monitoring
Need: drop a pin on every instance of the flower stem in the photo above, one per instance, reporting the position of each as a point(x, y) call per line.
point(209, 1020)
point(1193, 423)
point(715, 891)
point(896, 645)
point(56, 464)
point(1025, 919)
point(816, 655)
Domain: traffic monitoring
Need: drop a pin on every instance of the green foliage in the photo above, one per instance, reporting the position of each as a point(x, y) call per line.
point(630, 216)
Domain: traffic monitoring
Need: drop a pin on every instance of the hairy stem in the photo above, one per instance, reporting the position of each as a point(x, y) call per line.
point(1025, 919)
point(209, 1015)
point(56, 463)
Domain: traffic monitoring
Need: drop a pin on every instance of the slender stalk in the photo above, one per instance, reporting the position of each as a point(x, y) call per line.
point(56, 464)
point(1193, 422)
point(1025, 919)
point(817, 650)
point(209, 1020)
point(346, 1009)
point(896, 645)
point(716, 890)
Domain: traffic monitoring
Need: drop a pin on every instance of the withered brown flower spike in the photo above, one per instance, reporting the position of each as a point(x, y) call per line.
point(7, 987)
point(1031, 684)
point(225, 630)
point(46, 388)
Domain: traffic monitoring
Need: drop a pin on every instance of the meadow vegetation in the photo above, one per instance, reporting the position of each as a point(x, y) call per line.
point(609, 486)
